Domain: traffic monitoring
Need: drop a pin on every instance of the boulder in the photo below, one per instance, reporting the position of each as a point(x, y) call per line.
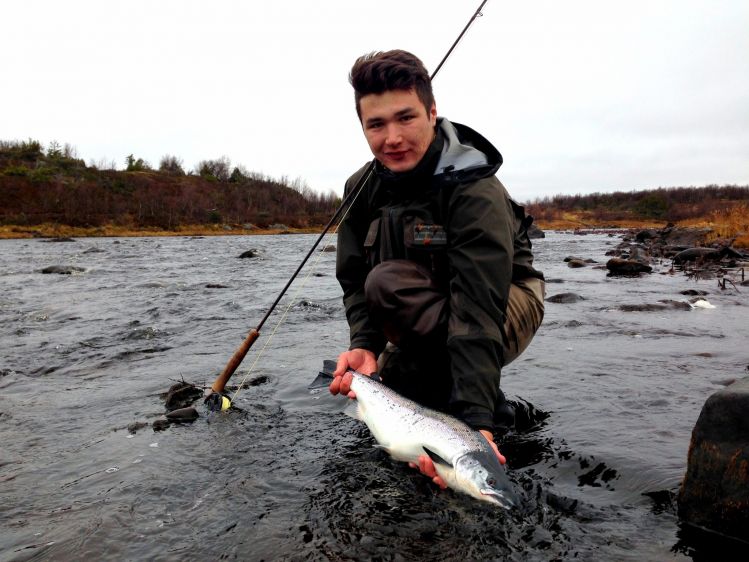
point(181, 395)
point(715, 490)
point(535, 232)
point(694, 254)
point(619, 266)
point(250, 254)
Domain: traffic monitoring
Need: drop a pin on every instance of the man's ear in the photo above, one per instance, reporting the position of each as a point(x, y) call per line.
point(433, 114)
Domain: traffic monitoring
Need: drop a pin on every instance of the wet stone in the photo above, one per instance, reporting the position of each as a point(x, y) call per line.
point(694, 293)
point(565, 298)
point(181, 395)
point(63, 269)
point(183, 415)
point(715, 490)
point(619, 266)
point(135, 426)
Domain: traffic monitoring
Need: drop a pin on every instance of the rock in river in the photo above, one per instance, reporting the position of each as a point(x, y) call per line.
point(565, 298)
point(619, 266)
point(715, 490)
point(63, 269)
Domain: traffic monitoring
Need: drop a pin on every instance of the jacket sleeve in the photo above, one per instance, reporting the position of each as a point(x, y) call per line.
point(352, 269)
point(480, 230)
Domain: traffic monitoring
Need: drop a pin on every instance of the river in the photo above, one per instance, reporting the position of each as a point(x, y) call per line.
point(612, 397)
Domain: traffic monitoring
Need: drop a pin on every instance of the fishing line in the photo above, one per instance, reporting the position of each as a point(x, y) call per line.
point(215, 400)
point(292, 301)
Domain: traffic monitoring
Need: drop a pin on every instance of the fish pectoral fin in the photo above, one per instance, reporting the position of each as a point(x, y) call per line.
point(352, 410)
point(436, 458)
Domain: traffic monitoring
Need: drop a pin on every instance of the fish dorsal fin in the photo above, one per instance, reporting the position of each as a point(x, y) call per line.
point(436, 458)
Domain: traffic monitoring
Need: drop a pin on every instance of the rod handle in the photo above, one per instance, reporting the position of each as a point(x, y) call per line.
point(236, 359)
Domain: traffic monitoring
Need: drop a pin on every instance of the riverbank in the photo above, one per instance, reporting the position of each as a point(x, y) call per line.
point(724, 229)
point(65, 231)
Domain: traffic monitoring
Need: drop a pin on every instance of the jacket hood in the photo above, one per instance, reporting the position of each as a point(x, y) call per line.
point(458, 154)
point(466, 155)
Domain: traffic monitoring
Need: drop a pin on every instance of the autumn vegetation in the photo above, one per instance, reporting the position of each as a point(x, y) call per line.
point(48, 192)
point(724, 209)
point(39, 188)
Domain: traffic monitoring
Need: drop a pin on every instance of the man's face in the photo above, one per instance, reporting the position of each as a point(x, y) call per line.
point(397, 127)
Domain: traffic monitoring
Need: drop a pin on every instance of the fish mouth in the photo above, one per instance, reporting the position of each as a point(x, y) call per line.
point(497, 497)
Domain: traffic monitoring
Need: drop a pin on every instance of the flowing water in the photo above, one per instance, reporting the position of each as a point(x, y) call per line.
point(612, 397)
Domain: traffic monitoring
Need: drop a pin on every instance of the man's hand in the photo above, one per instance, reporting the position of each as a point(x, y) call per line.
point(427, 468)
point(361, 360)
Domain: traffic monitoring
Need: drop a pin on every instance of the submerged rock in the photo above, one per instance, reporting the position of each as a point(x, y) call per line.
point(250, 254)
point(135, 426)
point(94, 250)
point(63, 269)
point(661, 305)
point(715, 490)
point(565, 298)
point(59, 239)
point(183, 415)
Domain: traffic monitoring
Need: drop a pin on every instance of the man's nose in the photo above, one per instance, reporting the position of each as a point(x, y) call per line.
point(394, 136)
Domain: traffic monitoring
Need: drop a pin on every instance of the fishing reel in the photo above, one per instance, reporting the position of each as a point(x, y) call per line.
point(217, 402)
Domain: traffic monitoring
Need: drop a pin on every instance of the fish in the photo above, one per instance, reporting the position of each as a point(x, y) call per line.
point(406, 430)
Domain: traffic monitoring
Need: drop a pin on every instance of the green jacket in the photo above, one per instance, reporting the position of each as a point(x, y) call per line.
point(452, 215)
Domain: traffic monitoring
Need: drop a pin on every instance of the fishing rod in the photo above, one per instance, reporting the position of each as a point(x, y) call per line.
point(216, 400)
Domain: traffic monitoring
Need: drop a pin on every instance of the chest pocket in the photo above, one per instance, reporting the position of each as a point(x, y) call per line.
point(426, 243)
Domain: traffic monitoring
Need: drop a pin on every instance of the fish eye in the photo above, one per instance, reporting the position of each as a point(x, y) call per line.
point(491, 482)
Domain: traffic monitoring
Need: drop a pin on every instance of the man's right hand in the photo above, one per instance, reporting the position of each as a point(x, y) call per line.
point(360, 360)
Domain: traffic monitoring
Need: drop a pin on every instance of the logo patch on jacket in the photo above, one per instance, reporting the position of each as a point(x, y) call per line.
point(429, 234)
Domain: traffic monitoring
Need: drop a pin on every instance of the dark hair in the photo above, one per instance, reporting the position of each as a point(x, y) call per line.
point(378, 72)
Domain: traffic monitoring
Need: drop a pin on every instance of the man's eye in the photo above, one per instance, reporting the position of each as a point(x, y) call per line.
point(407, 117)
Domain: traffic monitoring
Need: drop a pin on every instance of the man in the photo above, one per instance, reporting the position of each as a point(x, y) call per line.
point(433, 256)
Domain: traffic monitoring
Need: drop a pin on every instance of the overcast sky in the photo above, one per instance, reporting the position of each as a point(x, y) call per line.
point(578, 96)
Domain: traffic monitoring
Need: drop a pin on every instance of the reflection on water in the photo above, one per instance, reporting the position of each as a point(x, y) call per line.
point(606, 395)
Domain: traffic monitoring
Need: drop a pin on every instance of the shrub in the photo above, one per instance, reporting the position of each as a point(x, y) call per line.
point(214, 169)
point(171, 165)
point(138, 165)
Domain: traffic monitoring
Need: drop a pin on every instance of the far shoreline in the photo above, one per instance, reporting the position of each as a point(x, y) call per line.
point(15, 232)
point(60, 231)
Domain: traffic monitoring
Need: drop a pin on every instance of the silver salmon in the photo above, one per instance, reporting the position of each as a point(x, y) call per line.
point(462, 456)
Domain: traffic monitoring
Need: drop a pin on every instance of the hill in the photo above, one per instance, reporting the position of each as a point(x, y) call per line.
point(54, 187)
